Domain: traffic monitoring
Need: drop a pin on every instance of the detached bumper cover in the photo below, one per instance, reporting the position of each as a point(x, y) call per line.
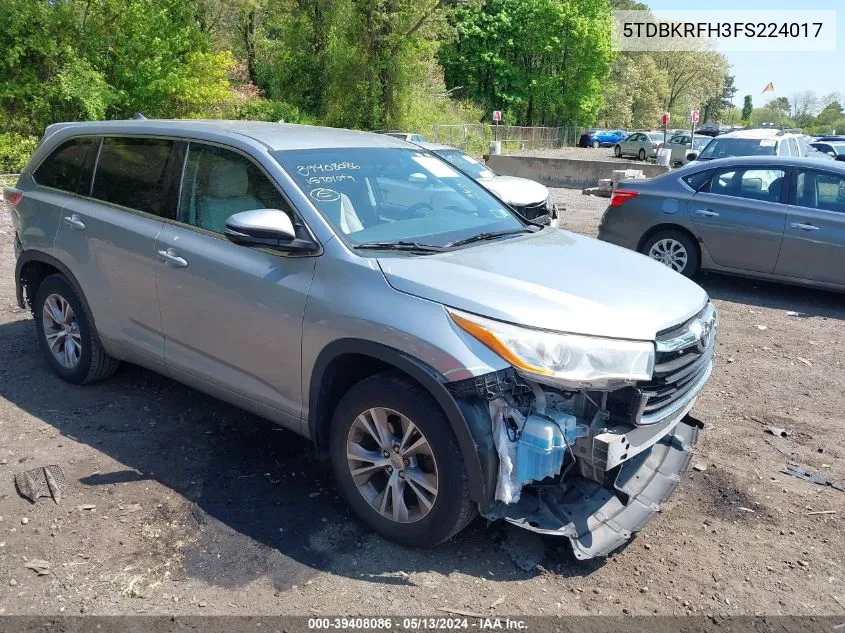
point(596, 520)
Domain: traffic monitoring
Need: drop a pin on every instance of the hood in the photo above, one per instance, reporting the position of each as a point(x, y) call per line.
point(553, 280)
point(517, 192)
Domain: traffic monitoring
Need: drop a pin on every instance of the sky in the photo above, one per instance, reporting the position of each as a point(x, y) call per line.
point(791, 72)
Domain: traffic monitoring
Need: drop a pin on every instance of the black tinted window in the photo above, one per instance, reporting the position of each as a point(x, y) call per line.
point(62, 168)
point(132, 172)
point(697, 180)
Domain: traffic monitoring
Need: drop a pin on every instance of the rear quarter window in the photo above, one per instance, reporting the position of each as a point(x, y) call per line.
point(63, 167)
point(697, 180)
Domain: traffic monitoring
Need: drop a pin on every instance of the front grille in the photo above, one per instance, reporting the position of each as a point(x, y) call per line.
point(682, 364)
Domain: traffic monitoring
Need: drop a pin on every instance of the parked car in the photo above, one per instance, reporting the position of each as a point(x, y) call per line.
point(529, 198)
point(772, 217)
point(680, 146)
point(418, 340)
point(832, 148)
point(640, 144)
point(756, 142)
point(832, 138)
point(601, 138)
point(407, 136)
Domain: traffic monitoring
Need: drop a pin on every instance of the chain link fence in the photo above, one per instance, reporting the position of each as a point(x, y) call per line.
point(475, 138)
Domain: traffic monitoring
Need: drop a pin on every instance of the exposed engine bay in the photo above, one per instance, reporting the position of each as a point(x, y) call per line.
point(587, 465)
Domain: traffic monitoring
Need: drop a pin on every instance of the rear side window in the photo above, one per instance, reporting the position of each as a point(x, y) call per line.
point(62, 168)
point(752, 183)
point(132, 172)
point(697, 180)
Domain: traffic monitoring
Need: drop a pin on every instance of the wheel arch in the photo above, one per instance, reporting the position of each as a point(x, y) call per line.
point(668, 226)
point(32, 268)
point(345, 362)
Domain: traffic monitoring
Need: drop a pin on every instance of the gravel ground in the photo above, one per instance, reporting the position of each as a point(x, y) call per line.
point(180, 504)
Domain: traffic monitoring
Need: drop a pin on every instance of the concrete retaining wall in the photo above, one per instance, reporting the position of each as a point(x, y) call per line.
point(565, 172)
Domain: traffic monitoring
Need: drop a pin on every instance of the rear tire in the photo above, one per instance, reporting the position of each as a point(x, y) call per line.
point(66, 333)
point(373, 419)
point(675, 249)
point(641, 154)
point(617, 151)
point(596, 144)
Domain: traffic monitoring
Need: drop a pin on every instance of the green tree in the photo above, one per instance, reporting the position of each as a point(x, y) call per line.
point(717, 106)
point(635, 93)
point(747, 109)
point(541, 61)
point(694, 77)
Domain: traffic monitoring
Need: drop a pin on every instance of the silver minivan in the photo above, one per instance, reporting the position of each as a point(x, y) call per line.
point(446, 354)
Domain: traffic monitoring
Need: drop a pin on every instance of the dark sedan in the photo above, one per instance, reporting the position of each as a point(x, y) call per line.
point(772, 217)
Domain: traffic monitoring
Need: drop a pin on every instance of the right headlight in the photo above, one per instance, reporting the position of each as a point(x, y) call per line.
point(569, 361)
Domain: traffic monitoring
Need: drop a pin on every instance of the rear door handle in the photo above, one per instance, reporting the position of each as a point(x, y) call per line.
point(74, 222)
point(804, 227)
point(707, 213)
point(172, 257)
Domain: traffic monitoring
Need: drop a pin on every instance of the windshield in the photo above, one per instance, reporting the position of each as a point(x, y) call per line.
point(700, 143)
point(394, 194)
point(724, 147)
point(655, 136)
point(466, 163)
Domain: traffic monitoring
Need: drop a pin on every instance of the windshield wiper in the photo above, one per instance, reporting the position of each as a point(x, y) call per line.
point(414, 247)
point(481, 237)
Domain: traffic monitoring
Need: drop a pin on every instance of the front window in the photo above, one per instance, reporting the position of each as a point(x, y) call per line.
point(725, 147)
point(395, 194)
point(655, 137)
point(466, 163)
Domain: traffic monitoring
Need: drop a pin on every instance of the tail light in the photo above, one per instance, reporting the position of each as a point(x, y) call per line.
point(622, 195)
point(12, 195)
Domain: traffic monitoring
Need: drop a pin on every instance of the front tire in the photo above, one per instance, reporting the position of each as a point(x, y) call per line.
point(675, 249)
point(641, 154)
point(397, 461)
point(66, 333)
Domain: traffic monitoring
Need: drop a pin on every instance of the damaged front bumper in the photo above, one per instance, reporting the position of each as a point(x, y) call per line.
point(595, 518)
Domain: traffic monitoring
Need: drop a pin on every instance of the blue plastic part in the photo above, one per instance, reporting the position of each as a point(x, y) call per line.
point(541, 446)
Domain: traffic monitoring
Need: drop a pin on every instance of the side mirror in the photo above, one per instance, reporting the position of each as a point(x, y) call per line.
point(840, 157)
point(265, 227)
point(418, 178)
point(691, 156)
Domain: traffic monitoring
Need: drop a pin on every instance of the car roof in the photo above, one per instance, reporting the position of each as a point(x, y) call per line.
point(757, 133)
point(276, 136)
point(784, 161)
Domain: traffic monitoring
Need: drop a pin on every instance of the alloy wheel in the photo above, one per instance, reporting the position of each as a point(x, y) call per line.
point(61, 329)
point(671, 253)
point(392, 465)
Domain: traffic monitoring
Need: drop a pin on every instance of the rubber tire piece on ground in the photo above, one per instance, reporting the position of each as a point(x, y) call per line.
point(94, 363)
point(693, 256)
point(453, 509)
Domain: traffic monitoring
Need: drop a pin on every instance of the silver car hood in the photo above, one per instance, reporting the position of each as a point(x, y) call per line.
point(554, 280)
point(517, 192)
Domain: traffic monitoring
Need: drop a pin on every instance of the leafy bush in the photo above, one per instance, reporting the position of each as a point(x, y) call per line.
point(15, 150)
point(260, 109)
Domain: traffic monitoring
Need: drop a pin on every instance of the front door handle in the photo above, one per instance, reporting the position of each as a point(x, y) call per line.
point(707, 213)
point(804, 227)
point(172, 257)
point(74, 222)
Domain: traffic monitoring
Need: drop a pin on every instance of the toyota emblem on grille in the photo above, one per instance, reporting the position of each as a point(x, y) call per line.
point(703, 331)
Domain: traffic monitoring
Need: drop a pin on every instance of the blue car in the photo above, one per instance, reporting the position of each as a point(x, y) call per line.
point(601, 138)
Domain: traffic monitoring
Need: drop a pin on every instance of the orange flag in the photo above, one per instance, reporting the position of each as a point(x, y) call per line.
point(770, 87)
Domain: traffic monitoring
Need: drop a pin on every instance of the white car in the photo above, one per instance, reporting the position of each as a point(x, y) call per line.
point(532, 200)
point(679, 145)
point(641, 145)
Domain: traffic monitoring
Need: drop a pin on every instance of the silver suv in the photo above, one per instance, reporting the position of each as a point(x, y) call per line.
point(447, 355)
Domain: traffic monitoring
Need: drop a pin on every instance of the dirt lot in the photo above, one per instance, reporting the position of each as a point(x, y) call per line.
point(180, 504)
